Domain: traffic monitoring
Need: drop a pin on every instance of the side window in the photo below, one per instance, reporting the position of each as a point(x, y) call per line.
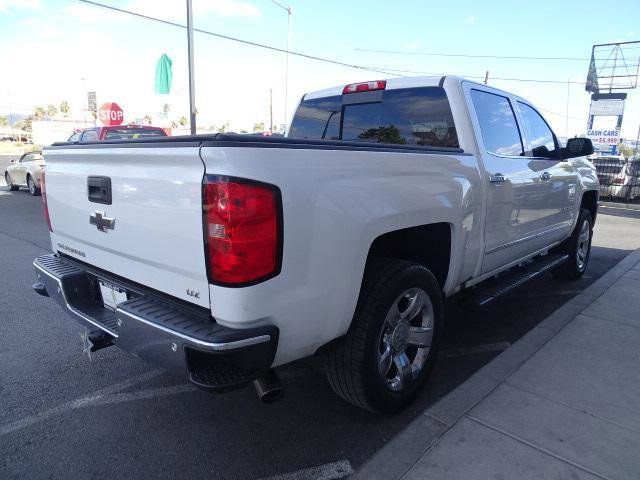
point(540, 141)
point(317, 119)
point(74, 138)
point(498, 125)
point(89, 136)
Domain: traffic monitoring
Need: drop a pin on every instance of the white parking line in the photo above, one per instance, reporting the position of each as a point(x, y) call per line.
point(486, 348)
point(90, 399)
point(328, 471)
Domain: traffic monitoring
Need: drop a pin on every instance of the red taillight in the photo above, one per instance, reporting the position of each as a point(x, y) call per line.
point(45, 207)
point(618, 181)
point(241, 229)
point(365, 86)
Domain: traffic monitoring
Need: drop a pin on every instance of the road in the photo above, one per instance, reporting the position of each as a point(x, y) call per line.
point(65, 416)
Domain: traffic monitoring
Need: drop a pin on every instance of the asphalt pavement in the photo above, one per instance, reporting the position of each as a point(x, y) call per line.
point(65, 416)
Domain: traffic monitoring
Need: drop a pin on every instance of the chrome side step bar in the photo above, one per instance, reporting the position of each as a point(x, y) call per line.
point(490, 290)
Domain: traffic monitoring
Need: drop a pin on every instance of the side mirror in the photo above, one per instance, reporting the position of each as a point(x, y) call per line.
point(577, 147)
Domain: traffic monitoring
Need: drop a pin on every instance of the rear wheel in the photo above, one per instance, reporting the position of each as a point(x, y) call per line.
point(390, 349)
point(578, 246)
point(33, 188)
point(7, 178)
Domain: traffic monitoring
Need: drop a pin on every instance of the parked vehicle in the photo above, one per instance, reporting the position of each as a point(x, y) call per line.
point(626, 185)
point(25, 172)
point(608, 168)
point(121, 132)
point(223, 256)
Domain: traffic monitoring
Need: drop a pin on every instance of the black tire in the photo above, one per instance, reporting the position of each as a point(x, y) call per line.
point(574, 246)
point(7, 178)
point(353, 365)
point(31, 185)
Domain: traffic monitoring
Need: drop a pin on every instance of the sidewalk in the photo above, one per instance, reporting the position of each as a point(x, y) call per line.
point(562, 402)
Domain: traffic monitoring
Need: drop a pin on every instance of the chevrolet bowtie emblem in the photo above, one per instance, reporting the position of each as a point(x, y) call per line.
point(101, 222)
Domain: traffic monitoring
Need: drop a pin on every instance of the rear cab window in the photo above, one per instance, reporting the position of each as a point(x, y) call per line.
point(132, 133)
point(408, 116)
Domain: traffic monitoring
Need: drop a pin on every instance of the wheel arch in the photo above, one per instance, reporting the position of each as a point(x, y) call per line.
point(428, 245)
point(590, 202)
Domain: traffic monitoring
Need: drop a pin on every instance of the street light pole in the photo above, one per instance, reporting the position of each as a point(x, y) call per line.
point(192, 92)
point(289, 11)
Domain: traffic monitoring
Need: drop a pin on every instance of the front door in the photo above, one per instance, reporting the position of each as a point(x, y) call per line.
point(560, 179)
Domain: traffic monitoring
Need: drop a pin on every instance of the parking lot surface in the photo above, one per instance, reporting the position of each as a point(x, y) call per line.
point(63, 415)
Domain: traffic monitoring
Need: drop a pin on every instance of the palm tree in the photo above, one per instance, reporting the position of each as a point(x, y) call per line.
point(64, 108)
point(39, 112)
point(51, 111)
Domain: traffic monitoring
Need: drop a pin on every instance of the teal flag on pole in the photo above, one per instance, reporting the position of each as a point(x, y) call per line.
point(164, 76)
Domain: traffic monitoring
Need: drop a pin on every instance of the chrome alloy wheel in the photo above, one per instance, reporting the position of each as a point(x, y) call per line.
point(31, 184)
point(584, 241)
point(406, 337)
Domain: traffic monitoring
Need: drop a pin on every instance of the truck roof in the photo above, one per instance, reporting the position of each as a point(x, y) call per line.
point(395, 83)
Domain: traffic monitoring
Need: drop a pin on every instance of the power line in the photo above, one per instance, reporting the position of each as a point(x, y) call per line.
point(385, 70)
point(239, 40)
point(467, 55)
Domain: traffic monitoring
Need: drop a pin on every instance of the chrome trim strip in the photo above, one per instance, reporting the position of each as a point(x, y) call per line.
point(245, 342)
point(526, 239)
point(69, 307)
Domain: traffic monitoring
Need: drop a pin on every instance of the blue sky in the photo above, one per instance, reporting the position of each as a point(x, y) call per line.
point(49, 46)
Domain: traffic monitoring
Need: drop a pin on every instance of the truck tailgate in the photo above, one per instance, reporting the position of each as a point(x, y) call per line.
point(156, 238)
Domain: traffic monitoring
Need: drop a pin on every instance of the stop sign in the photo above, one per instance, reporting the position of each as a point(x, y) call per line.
point(111, 114)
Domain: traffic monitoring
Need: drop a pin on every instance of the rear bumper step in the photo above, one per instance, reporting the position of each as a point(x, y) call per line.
point(180, 338)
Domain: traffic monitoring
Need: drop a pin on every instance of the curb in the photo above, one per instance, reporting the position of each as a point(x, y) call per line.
point(394, 459)
point(626, 206)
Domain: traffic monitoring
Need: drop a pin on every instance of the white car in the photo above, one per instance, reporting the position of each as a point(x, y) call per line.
point(626, 184)
point(26, 172)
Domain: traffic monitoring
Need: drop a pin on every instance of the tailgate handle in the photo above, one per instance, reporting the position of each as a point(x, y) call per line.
point(99, 189)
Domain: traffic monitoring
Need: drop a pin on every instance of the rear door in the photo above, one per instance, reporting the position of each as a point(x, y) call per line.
point(134, 210)
point(515, 189)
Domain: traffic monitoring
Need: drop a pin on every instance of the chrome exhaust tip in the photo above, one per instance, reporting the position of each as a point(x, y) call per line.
point(268, 387)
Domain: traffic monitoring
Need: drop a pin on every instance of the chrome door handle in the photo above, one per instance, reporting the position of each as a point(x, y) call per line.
point(545, 176)
point(497, 178)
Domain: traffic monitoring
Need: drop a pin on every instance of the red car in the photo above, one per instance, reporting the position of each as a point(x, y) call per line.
point(120, 132)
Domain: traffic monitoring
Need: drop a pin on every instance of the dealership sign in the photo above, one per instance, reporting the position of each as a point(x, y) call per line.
point(604, 140)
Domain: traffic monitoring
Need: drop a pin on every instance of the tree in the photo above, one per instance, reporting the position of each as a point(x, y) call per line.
point(183, 121)
point(224, 128)
point(24, 124)
point(258, 127)
point(51, 110)
point(625, 150)
point(39, 112)
point(64, 108)
point(147, 118)
point(4, 121)
point(166, 108)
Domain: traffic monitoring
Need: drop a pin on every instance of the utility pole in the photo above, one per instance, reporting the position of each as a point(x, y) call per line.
point(289, 11)
point(271, 110)
point(566, 120)
point(486, 77)
point(192, 93)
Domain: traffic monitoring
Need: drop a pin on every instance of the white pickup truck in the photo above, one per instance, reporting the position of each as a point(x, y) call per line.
point(222, 257)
